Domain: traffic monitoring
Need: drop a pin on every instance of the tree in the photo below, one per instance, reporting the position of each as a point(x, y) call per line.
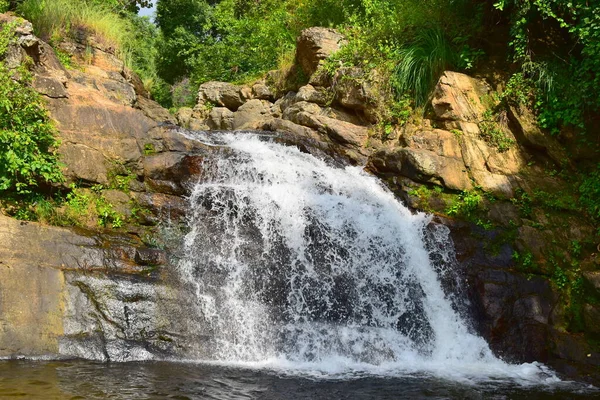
point(184, 25)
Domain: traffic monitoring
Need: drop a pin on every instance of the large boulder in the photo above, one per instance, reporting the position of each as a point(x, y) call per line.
point(318, 95)
point(353, 89)
point(153, 110)
point(72, 294)
point(316, 44)
point(222, 94)
point(261, 91)
point(524, 124)
point(423, 166)
point(252, 114)
point(459, 97)
point(220, 118)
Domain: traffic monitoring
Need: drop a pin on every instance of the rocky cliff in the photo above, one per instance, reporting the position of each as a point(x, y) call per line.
point(481, 164)
point(105, 294)
point(530, 264)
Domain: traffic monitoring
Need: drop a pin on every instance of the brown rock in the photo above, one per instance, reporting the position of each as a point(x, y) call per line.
point(353, 89)
point(221, 94)
point(119, 200)
point(251, 115)
point(246, 93)
point(291, 113)
point(422, 166)
point(345, 115)
point(183, 116)
point(163, 206)
point(457, 97)
point(220, 118)
point(529, 134)
point(344, 132)
point(134, 80)
point(591, 316)
point(316, 44)
point(592, 278)
point(426, 166)
point(285, 126)
point(341, 132)
point(262, 91)
point(120, 92)
point(154, 111)
point(442, 143)
point(83, 163)
point(286, 101)
point(49, 87)
point(45, 62)
point(311, 94)
point(163, 165)
point(150, 257)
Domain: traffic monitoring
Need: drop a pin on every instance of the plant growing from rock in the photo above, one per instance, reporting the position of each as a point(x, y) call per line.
point(466, 205)
point(27, 137)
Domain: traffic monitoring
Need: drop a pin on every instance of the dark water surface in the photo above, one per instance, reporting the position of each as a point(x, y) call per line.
point(168, 380)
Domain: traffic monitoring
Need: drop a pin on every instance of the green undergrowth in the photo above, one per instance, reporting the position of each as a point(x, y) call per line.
point(493, 133)
point(469, 205)
point(560, 263)
point(112, 25)
point(557, 45)
point(27, 136)
point(56, 19)
point(83, 207)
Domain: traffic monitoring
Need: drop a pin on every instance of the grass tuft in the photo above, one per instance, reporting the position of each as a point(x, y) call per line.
point(54, 20)
point(420, 64)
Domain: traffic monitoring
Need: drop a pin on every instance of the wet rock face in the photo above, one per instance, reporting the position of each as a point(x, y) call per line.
point(91, 293)
point(520, 315)
point(69, 294)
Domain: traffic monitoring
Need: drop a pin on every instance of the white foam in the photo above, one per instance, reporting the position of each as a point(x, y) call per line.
point(305, 268)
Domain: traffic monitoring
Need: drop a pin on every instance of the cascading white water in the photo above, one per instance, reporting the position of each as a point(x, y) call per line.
point(308, 267)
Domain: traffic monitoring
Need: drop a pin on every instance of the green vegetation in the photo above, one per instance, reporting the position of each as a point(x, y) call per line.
point(466, 205)
point(590, 194)
point(111, 24)
point(408, 41)
point(84, 207)
point(56, 19)
point(495, 136)
point(557, 44)
point(524, 261)
point(27, 137)
point(420, 64)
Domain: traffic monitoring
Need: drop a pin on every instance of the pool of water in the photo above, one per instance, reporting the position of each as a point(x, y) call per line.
point(170, 380)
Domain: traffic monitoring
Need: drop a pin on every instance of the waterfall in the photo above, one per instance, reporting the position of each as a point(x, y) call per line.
point(301, 265)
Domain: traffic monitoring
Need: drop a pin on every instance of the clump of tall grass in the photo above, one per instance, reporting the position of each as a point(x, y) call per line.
point(56, 19)
point(421, 62)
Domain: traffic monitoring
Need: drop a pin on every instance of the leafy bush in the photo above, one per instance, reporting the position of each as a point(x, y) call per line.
point(27, 137)
point(558, 44)
point(466, 205)
point(237, 40)
point(228, 41)
point(590, 193)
